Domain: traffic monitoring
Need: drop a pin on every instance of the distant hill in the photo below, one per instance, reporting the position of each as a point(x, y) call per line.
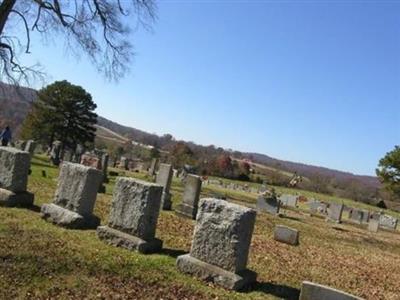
point(15, 104)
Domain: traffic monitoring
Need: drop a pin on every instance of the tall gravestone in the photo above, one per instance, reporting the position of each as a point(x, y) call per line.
point(335, 212)
point(164, 178)
point(191, 195)
point(14, 170)
point(55, 153)
point(134, 213)
point(104, 165)
point(75, 197)
point(220, 245)
point(153, 166)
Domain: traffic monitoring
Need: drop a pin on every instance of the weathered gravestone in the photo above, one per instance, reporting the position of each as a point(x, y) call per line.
point(335, 212)
point(317, 207)
point(288, 200)
point(366, 214)
point(356, 215)
point(220, 245)
point(164, 178)
point(104, 166)
point(123, 163)
point(373, 225)
point(153, 167)
point(14, 170)
point(75, 197)
point(314, 291)
point(134, 214)
point(55, 153)
point(268, 204)
point(388, 222)
point(30, 147)
point(91, 160)
point(191, 195)
point(286, 235)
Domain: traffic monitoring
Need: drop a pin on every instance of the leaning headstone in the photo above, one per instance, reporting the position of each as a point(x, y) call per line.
point(286, 235)
point(388, 222)
point(314, 291)
point(268, 204)
point(75, 197)
point(134, 214)
point(30, 147)
point(191, 195)
point(220, 245)
point(335, 212)
point(55, 153)
point(164, 178)
point(14, 170)
point(373, 225)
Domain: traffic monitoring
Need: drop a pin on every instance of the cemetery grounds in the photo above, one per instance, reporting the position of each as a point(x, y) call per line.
point(40, 261)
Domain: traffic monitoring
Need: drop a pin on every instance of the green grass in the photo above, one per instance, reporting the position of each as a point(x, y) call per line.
point(39, 260)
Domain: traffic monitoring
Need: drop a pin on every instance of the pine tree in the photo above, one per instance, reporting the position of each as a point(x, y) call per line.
point(63, 112)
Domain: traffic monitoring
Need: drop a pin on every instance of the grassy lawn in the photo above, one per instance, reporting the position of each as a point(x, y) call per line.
point(40, 261)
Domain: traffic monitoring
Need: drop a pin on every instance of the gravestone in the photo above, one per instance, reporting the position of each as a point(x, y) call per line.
point(288, 200)
point(164, 178)
point(317, 207)
point(134, 213)
point(220, 245)
point(388, 222)
point(356, 215)
point(104, 166)
point(75, 197)
point(153, 166)
point(373, 225)
point(366, 214)
point(268, 204)
point(91, 160)
point(55, 153)
point(123, 163)
point(314, 291)
point(191, 195)
point(335, 212)
point(286, 235)
point(30, 147)
point(14, 170)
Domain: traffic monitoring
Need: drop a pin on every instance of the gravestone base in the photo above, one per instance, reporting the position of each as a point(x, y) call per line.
point(229, 280)
point(187, 211)
point(166, 202)
point(11, 199)
point(68, 219)
point(124, 240)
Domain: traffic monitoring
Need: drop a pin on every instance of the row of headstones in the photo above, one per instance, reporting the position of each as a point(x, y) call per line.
point(222, 233)
point(233, 186)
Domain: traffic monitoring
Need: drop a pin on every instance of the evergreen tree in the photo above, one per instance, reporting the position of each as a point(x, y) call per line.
point(63, 112)
point(389, 171)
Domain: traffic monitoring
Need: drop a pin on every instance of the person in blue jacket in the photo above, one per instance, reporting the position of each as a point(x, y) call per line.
point(5, 136)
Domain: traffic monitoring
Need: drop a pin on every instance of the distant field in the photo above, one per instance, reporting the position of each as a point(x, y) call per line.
point(41, 261)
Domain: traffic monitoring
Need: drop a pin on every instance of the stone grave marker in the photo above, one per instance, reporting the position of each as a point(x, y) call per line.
point(286, 235)
point(30, 147)
point(134, 213)
point(164, 178)
point(268, 204)
point(373, 225)
point(288, 200)
point(314, 291)
point(220, 245)
point(356, 215)
point(14, 171)
point(335, 212)
point(153, 166)
point(75, 197)
point(388, 222)
point(191, 195)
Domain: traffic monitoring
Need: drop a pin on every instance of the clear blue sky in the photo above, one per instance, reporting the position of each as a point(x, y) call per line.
point(316, 82)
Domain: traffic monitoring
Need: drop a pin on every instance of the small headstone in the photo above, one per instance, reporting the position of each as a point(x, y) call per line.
point(55, 153)
point(366, 214)
point(164, 178)
point(286, 235)
point(314, 291)
point(356, 215)
point(75, 197)
point(288, 200)
point(91, 160)
point(268, 204)
point(14, 171)
point(191, 195)
point(134, 213)
point(317, 207)
point(335, 212)
point(373, 225)
point(220, 245)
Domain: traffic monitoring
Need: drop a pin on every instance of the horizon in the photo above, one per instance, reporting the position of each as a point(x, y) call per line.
point(343, 75)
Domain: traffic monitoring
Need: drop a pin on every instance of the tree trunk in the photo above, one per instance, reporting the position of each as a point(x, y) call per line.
point(5, 9)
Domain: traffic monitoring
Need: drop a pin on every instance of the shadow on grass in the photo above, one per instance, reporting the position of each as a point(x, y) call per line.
point(277, 290)
point(291, 218)
point(44, 165)
point(35, 208)
point(172, 252)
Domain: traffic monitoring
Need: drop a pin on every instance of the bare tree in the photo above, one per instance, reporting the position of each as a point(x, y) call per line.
point(99, 28)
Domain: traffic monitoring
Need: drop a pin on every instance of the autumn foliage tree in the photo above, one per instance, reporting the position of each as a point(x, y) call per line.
point(389, 171)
